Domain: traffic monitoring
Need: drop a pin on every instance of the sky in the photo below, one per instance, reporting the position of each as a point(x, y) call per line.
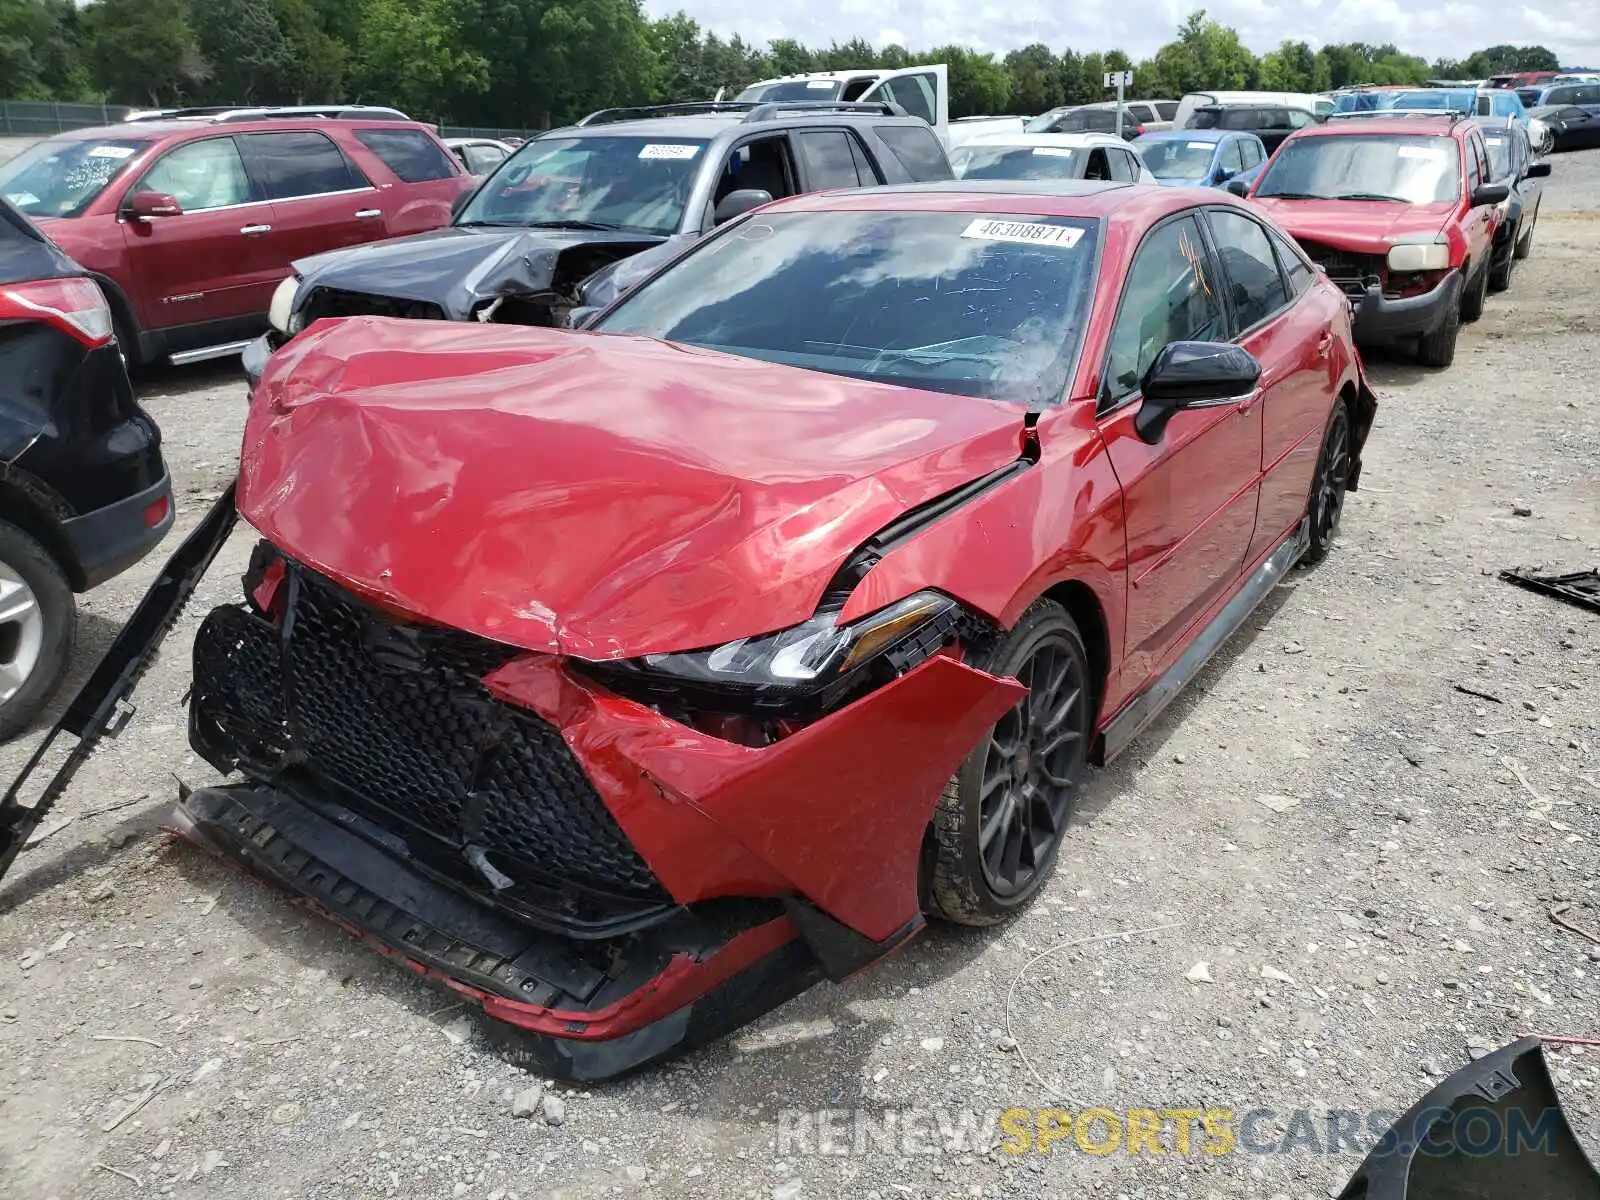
point(1430, 28)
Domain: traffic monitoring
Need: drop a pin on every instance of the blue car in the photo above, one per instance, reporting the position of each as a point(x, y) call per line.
point(1477, 102)
point(1200, 157)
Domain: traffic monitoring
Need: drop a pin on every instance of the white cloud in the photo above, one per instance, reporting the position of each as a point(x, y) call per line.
point(1452, 29)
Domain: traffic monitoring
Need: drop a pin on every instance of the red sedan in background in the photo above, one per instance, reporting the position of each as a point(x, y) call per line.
point(630, 680)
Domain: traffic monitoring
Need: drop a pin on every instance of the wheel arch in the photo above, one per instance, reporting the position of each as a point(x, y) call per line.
point(122, 310)
point(25, 505)
point(1087, 612)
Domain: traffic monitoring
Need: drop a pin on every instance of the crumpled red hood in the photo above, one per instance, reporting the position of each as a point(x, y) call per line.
point(595, 495)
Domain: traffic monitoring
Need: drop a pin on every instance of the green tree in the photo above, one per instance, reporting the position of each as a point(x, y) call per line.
point(978, 84)
point(1205, 55)
point(1292, 67)
point(411, 55)
point(41, 51)
point(317, 60)
point(1035, 79)
point(1498, 60)
point(245, 48)
point(142, 51)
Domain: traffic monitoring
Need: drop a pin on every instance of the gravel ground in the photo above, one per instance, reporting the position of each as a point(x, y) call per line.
point(1362, 855)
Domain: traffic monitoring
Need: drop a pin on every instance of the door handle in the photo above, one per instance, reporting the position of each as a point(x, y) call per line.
point(366, 213)
point(255, 230)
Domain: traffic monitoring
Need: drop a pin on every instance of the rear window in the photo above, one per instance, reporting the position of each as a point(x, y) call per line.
point(1016, 162)
point(61, 178)
point(300, 163)
point(790, 90)
point(918, 150)
point(412, 155)
point(973, 304)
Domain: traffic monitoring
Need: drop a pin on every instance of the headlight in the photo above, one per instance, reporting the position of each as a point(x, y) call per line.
point(810, 666)
point(1406, 257)
point(280, 313)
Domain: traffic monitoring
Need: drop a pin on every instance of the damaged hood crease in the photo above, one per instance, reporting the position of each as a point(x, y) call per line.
point(586, 494)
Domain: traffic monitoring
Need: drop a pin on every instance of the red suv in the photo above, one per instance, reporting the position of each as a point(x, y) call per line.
point(1399, 212)
point(190, 222)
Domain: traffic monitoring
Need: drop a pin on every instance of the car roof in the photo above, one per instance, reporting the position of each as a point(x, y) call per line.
point(1068, 141)
point(155, 130)
point(709, 125)
point(1039, 198)
point(1443, 125)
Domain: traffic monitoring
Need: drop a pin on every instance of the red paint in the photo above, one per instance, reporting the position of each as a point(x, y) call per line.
point(604, 497)
point(1371, 226)
point(197, 267)
point(715, 819)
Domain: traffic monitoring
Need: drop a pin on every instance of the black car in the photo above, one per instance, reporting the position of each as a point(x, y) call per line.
point(1571, 127)
point(1092, 118)
point(1512, 162)
point(548, 232)
point(84, 492)
point(1272, 123)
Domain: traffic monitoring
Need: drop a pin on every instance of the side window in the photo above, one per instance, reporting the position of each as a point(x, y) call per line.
point(1299, 118)
point(200, 175)
point(413, 156)
point(1098, 167)
point(1169, 297)
point(1295, 269)
point(300, 164)
point(1167, 110)
point(1119, 166)
point(914, 93)
point(1254, 152)
point(762, 165)
point(917, 149)
point(865, 171)
point(1241, 118)
point(1233, 157)
point(825, 159)
point(1254, 284)
point(1475, 168)
point(1141, 113)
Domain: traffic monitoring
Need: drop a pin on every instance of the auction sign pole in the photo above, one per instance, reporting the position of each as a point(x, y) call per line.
point(1119, 80)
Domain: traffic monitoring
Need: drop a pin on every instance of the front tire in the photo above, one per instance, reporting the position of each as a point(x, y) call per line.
point(1472, 300)
point(1500, 273)
point(998, 827)
point(38, 624)
point(1438, 349)
point(1525, 242)
point(1328, 484)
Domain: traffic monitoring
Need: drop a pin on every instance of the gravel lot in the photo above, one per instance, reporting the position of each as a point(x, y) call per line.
point(1397, 895)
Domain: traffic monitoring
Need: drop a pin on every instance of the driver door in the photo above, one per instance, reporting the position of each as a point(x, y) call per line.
point(922, 91)
point(761, 164)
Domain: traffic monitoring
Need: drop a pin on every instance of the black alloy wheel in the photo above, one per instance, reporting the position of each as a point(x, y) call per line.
point(999, 825)
point(1329, 483)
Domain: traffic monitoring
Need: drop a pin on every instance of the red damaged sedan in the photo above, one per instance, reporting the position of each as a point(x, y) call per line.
point(629, 681)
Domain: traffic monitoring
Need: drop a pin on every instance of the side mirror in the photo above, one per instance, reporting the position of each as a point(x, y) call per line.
point(1490, 193)
point(144, 206)
point(1192, 375)
point(1223, 175)
point(460, 202)
point(736, 204)
point(579, 318)
point(1538, 170)
point(1237, 187)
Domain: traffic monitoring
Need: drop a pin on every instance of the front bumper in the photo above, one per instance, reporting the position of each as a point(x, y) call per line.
point(1379, 318)
point(477, 777)
point(255, 355)
point(104, 543)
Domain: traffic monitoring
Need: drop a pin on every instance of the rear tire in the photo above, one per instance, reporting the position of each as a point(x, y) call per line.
point(1438, 349)
point(1524, 245)
point(38, 625)
point(1500, 275)
point(1473, 298)
point(998, 827)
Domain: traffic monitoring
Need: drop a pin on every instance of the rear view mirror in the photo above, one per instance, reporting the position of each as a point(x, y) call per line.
point(736, 204)
point(1490, 193)
point(1192, 375)
point(1238, 187)
point(1538, 170)
point(579, 318)
point(145, 205)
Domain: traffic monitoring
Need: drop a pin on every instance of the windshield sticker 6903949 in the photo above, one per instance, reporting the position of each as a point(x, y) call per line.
point(668, 150)
point(1029, 233)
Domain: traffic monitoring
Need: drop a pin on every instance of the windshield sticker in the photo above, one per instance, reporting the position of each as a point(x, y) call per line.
point(22, 199)
point(668, 150)
point(1030, 233)
point(110, 152)
point(1424, 152)
point(1201, 145)
point(817, 85)
point(1055, 151)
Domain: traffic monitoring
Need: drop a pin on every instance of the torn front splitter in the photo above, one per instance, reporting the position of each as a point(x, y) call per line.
point(559, 1007)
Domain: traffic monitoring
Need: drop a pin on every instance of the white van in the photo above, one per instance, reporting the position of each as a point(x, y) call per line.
point(922, 91)
point(1320, 105)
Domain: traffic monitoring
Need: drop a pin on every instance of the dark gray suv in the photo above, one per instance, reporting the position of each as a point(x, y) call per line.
point(578, 214)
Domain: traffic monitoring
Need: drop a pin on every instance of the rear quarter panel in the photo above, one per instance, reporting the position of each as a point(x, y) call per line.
point(408, 207)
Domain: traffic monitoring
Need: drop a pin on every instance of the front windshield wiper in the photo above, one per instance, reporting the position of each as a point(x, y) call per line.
point(1371, 196)
point(484, 225)
point(1289, 196)
point(604, 226)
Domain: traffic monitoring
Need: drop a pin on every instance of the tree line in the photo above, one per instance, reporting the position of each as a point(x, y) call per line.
point(537, 63)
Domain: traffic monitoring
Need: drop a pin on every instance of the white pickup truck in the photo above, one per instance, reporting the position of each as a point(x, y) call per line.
point(923, 91)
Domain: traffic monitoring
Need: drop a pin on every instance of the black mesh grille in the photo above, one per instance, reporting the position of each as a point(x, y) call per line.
point(334, 302)
point(393, 717)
